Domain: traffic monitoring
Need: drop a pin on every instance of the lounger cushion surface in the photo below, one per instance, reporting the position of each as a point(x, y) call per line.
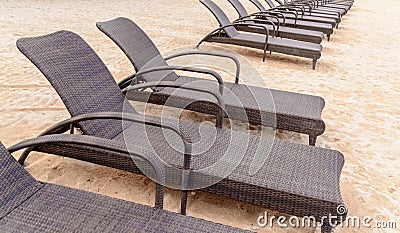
point(281, 42)
point(252, 97)
point(60, 209)
point(16, 184)
point(294, 168)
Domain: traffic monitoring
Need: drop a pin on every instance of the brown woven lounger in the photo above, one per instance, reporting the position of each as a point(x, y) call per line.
point(328, 4)
point(296, 112)
point(302, 15)
point(318, 6)
point(303, 11)
point(295, 179)
point(276, 28)
point(27, 205)
point(309, 11)
point(314, 26)
point(227, 34)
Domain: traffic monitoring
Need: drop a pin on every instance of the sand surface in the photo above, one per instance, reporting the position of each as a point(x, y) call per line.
point(358, 75)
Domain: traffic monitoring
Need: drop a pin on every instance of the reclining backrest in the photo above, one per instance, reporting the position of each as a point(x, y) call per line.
point(16, 184)
point(270, 3)
point(258, 5)
point(220, 16)
point(239, 8)
point(80, 78)
point(138, 47)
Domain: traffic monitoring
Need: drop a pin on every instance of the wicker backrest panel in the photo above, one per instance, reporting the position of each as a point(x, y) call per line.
point(239, 8)
point(139, 48)
point(81, 79)
point(16, 184)
point(270, 3)
point(258, 5)
point(221, 17)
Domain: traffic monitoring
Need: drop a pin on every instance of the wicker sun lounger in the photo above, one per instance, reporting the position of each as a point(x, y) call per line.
point(309, 9)
point(227, 34)
point(281, 31)
point(338, 4)
point(295, 179)
point(27, 205)
point(307, 18)
point(307, 15)
point(296, 112)
point(320, 6)
point(313, 26)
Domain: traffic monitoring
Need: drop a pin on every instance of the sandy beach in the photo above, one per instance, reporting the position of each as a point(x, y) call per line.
point(358, 75)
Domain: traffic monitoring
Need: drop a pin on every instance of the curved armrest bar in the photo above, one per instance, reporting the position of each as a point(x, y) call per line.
point(275, 30)
point(220, 114)
point(310, 3)
point(294, 7)
point(233, 58)
point(270, 14)
point(126, 81)
point(240, 24)
point(189, 69)
point(279, 13)
point(303, 5)
point(278, 10)
point(110, 115)
point(138, 151)
point(266, 20)
point(294, 10)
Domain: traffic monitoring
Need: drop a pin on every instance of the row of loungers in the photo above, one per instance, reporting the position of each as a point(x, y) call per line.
point(291, 29)
point(295, 179)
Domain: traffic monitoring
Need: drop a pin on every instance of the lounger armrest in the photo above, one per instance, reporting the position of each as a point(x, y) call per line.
point(265, 20)
point(287, 10)
point(309, 3)
point(188, 69)
point(104, 144)
point(220, 115)
point(198, 52)
point(271, 14)
point(248, 24)
point(297, 10)
point(72, 122)
point(295, 7)
point(261, 14)
point(254, 25)
point(126, 81)
point(240, 24)
point(302, 5)
point(280, 13)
